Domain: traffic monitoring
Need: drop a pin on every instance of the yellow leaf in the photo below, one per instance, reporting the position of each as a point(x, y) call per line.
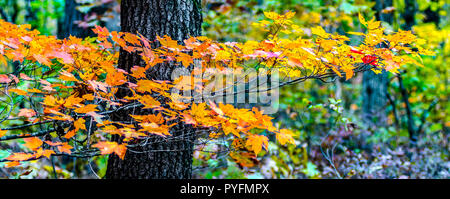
point(86, 108)
point(2, 133)
point(149, 102)
point(80, 124)
point(362, 19)
point(18, 91)
point(285, 136)
point(319, 31)
point(33, 143)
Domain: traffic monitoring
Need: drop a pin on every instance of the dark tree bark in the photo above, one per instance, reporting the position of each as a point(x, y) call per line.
point(159, 158)
point(409, 16)
point(68, 26)
point(375, 86)
point(430, 15)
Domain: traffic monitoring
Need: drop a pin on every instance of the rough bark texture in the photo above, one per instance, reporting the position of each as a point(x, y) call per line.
point(375, 86)
point(160, 158)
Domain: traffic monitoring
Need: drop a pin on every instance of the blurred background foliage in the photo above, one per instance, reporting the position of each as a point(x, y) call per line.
point(333, 140)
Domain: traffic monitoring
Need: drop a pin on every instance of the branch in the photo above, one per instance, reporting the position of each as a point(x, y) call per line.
point(405, 96)
point(394, 108)
point(298, 80)
point(20, 136)
point(75, 155)
point(25, 125)
point(424, 115)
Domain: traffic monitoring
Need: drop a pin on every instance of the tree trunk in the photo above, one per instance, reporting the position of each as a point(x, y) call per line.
point(160, 158)
point(375, 86)
point(68, 26)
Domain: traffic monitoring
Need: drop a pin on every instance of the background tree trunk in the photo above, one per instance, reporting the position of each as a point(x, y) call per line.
point(68, 26)
point(160, 158)
point(375, 86)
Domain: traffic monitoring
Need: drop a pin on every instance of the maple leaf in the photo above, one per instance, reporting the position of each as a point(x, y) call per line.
point(34, 91)
point(244, 159)
point(256, 142)
point(147, 86)
point(53, 143)
point(370, 59)
point(138, 72)
point(26, 113)
point(46, 153)
point(33, 143)
point(12, 164)
point(285, 136)
point(80, 124)
point(149, 102)
point(168, 42)
point(111, 147)
point(50, 100)
point(3, 132)
point(70, 134)
point(87, 108)
point(66, 57)
point(156, 129)
point(18, 91)
point(319, 31)
point(4, 78)
point(19, 156)
point(101, 31)
point(71, 101)
point(215, 108)
point(89, 97)
point(115, 79)
point(65, 148)
point(158, 119)
point(99, 85)
point(66, 76)
point(24, 76)
point(188, 119)
point(42, 59)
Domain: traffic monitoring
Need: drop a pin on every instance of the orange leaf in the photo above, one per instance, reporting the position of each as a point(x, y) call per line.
point(2, 133)
point(20, 157)
point(111, 147)
point(66, 76)
point(149, 102)
point(33, 143)
point(86, 108)
point(65, 148)
point(12, 164)
point(18, 91)
point(70, 134)
point(89, 97)
point(46, 153)
point(80, 124)
point(256, 142)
